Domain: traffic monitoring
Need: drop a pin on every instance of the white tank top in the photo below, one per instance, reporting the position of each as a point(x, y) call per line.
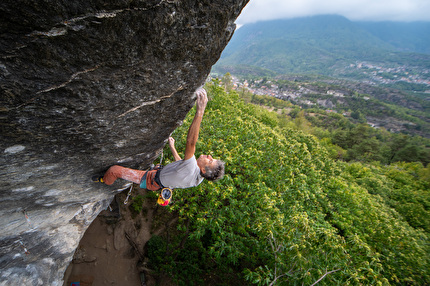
point(181, 174)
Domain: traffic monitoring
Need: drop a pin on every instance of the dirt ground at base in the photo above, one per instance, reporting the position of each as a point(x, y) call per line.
point(111, 252)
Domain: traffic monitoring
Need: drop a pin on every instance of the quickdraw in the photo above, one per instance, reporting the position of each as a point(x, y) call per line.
point(128, 195)
point(25, 248)
point(27, 218)
point(161, 157)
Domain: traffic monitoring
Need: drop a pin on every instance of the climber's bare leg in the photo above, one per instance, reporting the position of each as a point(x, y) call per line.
point(118, 172)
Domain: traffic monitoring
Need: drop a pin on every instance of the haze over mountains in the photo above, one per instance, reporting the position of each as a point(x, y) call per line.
point(326, 45)
point(384, 61)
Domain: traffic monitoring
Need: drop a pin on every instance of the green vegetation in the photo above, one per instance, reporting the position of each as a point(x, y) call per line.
point(137, 203)
point(288, 214)
point(410, 37)
point(366, 144)
point(394, 110)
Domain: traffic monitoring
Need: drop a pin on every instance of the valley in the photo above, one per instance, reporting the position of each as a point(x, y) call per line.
point(394, 110)
point(378, 70)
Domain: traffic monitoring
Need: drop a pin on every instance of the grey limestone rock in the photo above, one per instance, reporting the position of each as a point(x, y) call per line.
point(84, 85)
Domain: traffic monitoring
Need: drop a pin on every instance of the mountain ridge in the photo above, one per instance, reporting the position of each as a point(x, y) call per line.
point(324, 44)
point(405, 37)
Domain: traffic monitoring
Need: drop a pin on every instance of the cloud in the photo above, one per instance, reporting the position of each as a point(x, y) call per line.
point(367, 10)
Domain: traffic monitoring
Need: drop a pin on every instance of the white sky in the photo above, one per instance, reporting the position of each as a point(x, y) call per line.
point(367, 10)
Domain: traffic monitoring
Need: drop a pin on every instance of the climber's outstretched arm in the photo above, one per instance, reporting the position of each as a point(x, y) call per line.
point(193, 131)
point(173, 149)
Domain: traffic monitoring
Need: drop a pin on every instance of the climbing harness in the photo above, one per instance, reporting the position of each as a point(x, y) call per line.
point(166, 193)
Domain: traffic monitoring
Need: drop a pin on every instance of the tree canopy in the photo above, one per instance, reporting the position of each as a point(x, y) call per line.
point(286, 213)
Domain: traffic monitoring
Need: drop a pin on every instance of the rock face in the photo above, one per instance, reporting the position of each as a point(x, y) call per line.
point(87, 84)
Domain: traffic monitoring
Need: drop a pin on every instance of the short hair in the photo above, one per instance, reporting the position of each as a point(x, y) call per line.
point(215, 173)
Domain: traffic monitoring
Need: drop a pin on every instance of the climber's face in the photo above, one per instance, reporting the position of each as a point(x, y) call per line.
point(206, 161)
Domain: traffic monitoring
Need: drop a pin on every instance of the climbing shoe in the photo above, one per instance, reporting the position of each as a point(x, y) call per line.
point(97, 179)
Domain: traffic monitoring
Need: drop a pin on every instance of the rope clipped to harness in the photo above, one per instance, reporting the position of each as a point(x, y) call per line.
point(164, 197)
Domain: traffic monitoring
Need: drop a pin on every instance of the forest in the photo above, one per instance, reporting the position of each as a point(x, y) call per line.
point(347, 138)
point(289, 210)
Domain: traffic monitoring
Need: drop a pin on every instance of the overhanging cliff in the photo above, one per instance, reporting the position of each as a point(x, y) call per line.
point(85, 85)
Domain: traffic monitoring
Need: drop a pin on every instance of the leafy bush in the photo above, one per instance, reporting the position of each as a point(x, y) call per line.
point(156, 251)
point(137, 203)
point(287, 214)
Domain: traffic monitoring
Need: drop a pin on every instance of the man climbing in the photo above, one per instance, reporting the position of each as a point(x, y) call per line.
point(183, 173)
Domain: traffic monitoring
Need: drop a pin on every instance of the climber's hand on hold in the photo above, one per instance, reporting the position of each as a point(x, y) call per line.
point(171, 142)
point(202, 100)
point(193, 131)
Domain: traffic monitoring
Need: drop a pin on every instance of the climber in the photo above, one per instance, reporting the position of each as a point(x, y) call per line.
point(183, 173)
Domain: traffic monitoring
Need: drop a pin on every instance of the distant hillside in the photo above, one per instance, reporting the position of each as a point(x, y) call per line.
point(406, 37)
point(325, 45)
